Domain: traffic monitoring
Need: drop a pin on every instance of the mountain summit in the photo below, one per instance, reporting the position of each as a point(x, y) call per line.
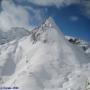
point(44, 60)
point(50, 22)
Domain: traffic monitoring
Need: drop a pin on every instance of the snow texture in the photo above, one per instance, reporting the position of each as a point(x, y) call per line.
point(44, 60)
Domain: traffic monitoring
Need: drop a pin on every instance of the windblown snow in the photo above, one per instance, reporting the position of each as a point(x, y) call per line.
point(44, 60)
point(14, 33)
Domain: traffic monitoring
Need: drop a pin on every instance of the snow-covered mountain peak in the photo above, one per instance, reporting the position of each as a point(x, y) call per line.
point(50, 22)
point(44, 60)
point(47, 32)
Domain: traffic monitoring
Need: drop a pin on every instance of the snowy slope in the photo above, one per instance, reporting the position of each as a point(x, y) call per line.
point(44, 60)
point(80, 43)
point(14, 33)
point(88, 50)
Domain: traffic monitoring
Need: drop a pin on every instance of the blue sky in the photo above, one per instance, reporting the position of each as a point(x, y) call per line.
point(72, 16)
point(72, 22)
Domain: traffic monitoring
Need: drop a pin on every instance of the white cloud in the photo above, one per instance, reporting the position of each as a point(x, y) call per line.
point(58, 3)
point(38, 15)
point(85, 7)
point(73, 18)
point(85, 4)
point(18, 15)
point(13, 16)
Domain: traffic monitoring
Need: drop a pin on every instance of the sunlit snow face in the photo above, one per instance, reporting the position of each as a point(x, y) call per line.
point(85, 7)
